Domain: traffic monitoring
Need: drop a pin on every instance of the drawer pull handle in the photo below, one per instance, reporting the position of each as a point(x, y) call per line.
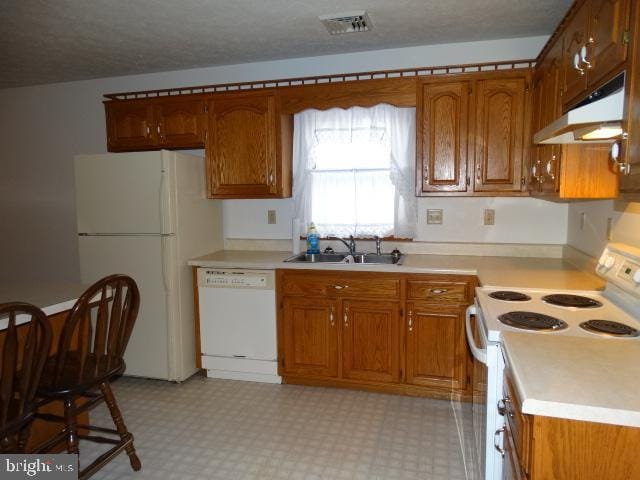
point(410, 320)
point(438, 291)
point(331, 318)
point(340, 287)
point(496, 435)
point(346, 317)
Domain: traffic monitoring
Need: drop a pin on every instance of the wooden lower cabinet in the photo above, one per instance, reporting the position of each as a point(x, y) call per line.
point(309, 338)
point(436, 347)
point(370, 340)
point(546, 448)
point(378, 331)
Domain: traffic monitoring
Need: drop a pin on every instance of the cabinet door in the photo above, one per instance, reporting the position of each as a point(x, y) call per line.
point(608, 22)
point(241, 158)
point(575, 37)
point(181, 123)
point(130, 126)
point(551, 95)
point(370, 340)
point(309, 337)
point(442, 136)
point(500, 120)
point(436, 348)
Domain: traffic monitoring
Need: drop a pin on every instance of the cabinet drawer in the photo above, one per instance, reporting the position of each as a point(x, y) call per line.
point(308, 283)
point(519, 424)
point(440, 291)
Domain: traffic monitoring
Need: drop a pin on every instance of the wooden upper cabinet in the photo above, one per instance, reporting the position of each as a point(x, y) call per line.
point(181, 123)
point(599, 29)
point(576, 36)
point(370, 340)
point(436, 348)
point(309, 337)
point(130, 126)
point(155, 124)
point(442, 126)
point(245, 157)
point(608, 37)
point(500, 130)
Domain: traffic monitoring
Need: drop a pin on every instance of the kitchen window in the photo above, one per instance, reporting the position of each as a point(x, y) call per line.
point(354, 171)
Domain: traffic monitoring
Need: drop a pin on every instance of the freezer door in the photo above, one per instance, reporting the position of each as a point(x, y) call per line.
point(140, 257)
point(123, 193)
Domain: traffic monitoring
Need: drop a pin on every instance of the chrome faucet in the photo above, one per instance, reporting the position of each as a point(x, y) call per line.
point(378, 245)
point(351, 245)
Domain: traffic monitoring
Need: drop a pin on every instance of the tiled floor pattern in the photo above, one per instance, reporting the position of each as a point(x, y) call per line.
point(225, 429)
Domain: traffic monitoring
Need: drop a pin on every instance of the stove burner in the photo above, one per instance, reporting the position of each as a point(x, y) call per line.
point(531, 321)
point(609, 328)
point(510, 296)
point(566, 300)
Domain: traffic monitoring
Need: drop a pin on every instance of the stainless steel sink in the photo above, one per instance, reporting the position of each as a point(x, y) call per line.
point(359, 258)
point(318, 258)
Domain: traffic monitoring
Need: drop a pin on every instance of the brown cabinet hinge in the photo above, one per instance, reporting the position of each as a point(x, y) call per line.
point(523, 181)
point(526, 88)
point(626, 37)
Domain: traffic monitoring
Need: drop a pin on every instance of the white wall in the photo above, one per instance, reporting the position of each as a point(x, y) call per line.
point(590, 235)
point(43, 127)
point(518, 220)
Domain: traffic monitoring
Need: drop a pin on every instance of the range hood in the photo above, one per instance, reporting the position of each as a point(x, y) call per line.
point(597, 119)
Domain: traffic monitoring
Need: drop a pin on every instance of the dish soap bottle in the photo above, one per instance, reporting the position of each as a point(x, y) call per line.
point(313, 240)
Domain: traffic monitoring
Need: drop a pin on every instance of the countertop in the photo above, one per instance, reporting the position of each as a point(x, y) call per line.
point(512, 272)
point(576, 378)
point(52, 298)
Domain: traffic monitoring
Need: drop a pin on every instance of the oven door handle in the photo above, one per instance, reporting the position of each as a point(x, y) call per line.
point(479, 353)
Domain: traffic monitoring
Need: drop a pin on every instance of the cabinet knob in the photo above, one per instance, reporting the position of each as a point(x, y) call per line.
point(346, 317)
point(331, 317)
point(270, 177)
point(583, 56)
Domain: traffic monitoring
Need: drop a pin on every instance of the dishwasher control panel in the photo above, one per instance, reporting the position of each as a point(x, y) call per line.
point(231, 278)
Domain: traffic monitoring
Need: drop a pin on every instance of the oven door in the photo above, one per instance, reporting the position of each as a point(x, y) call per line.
point(487, 374)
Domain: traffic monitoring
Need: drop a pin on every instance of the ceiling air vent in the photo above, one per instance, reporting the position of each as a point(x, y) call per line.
point(347, 22)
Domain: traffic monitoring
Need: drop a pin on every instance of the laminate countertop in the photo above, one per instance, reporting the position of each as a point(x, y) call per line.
point(52, 298)
point(511, 272)
point(578, 378)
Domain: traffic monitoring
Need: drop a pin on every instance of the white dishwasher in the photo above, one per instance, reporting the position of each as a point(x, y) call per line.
point(238, 324)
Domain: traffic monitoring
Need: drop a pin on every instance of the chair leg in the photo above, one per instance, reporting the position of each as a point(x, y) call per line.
point(71, 421)
point(116, 415)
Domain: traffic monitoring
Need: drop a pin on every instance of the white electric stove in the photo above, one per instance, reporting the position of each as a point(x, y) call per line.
point(612, 315)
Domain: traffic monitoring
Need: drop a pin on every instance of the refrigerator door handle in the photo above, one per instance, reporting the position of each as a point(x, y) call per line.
point(167, 262)
point(166, 207)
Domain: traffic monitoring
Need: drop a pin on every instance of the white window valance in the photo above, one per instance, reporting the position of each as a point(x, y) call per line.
point(354, 171)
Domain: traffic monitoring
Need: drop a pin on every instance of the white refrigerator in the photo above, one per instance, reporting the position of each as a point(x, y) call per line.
point(145, 214)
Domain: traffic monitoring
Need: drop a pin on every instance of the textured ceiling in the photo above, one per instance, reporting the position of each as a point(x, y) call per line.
point(45, 41)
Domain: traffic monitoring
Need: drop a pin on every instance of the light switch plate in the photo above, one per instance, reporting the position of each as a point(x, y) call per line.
point(489, 216)
point(271, 217)
point(434, 216)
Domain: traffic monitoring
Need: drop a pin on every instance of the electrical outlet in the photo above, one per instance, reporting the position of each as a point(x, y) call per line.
point(434, 216)
point(271, 217)
point(489, 216)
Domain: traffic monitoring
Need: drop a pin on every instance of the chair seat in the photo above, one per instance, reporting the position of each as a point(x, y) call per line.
point(78, 376)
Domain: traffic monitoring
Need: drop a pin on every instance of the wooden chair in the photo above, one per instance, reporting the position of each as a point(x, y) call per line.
point(24, 350)
point(89, 357)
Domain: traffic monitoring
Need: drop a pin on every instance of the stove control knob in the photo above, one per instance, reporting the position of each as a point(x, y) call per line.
point(636, 276)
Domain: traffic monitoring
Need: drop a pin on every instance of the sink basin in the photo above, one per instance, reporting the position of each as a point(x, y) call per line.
point(359, 258)
point(318, 258)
